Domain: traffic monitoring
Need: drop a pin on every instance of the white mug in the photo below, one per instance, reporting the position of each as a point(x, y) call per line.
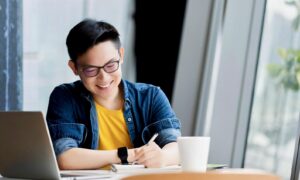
point(193, 152)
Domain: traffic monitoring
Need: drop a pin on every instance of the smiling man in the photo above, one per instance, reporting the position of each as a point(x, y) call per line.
point(103, 119)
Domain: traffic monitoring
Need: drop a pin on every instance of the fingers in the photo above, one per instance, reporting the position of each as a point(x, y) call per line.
point(151, 160)
point(148, 155)
point(147, 159)
point(131, 155)
point(139, 152)
point(145, 148)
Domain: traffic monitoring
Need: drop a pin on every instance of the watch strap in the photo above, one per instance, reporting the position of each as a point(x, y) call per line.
point(123, 154)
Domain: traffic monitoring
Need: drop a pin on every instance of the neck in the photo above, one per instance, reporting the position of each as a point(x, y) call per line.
point(113, 102)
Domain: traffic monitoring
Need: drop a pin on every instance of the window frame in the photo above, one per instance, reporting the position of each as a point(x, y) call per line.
point(235, 82)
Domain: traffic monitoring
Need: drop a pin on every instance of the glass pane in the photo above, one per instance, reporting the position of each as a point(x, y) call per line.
point(276, 103)
point(46, 24)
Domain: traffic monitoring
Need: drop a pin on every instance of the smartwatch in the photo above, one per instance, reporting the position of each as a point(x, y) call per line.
point(123, 155)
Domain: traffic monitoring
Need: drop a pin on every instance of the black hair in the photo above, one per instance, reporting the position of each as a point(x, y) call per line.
point(89, 33)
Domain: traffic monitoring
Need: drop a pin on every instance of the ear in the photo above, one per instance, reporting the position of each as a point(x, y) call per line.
point(73, 67)
point(121, 51)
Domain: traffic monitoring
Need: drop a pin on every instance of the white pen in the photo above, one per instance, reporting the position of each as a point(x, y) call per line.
point(153, 138)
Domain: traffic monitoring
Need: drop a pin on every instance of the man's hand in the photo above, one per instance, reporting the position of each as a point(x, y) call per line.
point(151, 155)
point(131, 155)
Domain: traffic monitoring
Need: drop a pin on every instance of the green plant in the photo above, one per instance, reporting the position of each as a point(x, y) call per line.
point(287, 73)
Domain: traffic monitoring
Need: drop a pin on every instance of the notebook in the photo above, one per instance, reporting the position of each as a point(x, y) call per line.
point(120, 168)
point(26, 150)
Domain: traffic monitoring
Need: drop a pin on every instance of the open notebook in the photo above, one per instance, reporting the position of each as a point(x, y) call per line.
point(26, 150)
point(120, 168)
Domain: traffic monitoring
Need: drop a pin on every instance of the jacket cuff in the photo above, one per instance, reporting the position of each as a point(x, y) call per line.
point(167, 136)
point(63, 144)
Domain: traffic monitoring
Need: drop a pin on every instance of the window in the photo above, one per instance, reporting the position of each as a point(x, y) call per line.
point(276, 100)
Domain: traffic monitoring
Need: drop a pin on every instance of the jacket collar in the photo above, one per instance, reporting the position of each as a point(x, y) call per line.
point(125, 88)
point(87, 95)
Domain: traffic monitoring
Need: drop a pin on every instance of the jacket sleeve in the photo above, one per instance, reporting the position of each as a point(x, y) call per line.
point(163, 120)
point(65, 132)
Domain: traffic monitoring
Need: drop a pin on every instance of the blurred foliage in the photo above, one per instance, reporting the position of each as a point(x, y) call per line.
point(287, 73)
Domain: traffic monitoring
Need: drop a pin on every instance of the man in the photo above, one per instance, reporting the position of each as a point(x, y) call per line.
point(102, 119)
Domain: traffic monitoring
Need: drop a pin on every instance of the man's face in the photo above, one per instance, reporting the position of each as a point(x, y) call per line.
point(105, 84)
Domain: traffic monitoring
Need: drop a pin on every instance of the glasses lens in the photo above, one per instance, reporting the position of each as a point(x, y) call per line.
point(90, 71)
point(111, 67)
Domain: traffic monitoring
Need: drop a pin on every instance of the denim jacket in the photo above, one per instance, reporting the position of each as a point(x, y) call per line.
point(72, 117)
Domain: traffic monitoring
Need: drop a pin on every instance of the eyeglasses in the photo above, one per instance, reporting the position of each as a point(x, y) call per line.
point(92, 71)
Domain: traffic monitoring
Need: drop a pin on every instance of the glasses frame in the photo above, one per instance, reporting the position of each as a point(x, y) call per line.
point(99, 68)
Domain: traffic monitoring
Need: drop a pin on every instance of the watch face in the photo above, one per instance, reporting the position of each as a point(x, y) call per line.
point(123, 154)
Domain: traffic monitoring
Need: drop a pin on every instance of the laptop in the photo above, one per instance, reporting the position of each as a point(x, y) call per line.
point(26, 150)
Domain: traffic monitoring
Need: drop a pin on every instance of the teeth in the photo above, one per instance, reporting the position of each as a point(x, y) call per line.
point(104, 86)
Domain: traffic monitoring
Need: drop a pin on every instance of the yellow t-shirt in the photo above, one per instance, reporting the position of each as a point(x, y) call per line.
point(113, 130)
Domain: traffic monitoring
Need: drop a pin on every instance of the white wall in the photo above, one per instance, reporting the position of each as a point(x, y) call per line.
point(45, 27)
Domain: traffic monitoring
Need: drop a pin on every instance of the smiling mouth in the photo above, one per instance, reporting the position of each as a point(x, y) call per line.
point(105, 85)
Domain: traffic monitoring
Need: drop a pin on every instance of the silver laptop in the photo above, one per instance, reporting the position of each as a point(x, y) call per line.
point(26, 150)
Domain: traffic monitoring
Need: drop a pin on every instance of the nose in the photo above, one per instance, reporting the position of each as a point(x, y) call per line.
point(102, 75)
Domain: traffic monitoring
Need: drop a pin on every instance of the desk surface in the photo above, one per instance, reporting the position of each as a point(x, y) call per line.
point(122, 174)
point(115, 175)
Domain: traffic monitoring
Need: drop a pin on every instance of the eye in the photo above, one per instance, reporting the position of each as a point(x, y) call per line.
point(90, 69)
point(110, 65)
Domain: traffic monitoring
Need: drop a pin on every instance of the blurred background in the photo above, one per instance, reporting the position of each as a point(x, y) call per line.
point(230, 68)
